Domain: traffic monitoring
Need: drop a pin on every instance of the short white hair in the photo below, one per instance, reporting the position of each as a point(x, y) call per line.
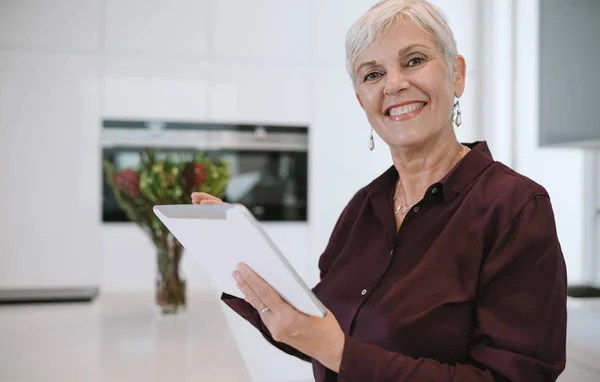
point(385, 14)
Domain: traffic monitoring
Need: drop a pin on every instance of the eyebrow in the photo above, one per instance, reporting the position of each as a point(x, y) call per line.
point(400, 53)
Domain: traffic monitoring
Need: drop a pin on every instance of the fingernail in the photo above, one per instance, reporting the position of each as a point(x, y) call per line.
point(234, 274)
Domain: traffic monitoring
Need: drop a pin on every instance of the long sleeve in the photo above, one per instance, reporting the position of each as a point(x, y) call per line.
point(520, 315)
point(247, 311)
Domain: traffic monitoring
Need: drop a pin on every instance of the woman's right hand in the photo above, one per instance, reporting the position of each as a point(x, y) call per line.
point(204, 198)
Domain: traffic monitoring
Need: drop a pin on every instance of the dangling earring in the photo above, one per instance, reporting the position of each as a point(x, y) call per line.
point(371, 141)
point(458, 119)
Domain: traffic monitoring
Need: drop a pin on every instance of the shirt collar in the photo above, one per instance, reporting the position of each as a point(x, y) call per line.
point(467, 169)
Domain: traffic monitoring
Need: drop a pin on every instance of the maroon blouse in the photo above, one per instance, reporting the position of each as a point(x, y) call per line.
point(471, 288)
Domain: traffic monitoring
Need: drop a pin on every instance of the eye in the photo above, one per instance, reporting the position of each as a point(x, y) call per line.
point(415, 61)
point(371, 76)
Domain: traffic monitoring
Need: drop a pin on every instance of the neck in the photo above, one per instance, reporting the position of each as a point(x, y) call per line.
point(419, 167)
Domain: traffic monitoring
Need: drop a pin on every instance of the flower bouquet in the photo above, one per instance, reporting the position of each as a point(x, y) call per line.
point(165, 181)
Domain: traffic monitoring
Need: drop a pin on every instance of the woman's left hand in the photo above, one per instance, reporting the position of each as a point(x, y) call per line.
point(318, 338)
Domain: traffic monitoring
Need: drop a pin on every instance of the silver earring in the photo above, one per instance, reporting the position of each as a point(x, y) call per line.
point(371, 141)
point(458, 119)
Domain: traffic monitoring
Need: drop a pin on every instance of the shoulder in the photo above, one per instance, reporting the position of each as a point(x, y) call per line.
point(520, 224)
point(508, 196)
point(502, 185)
point(491, 182)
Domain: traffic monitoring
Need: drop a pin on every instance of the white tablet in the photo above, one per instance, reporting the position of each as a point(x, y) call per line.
point(219, 236)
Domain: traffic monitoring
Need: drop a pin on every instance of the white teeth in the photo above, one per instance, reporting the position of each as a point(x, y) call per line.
point(405, 109)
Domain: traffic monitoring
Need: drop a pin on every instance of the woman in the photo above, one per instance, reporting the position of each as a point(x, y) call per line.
point(447, 267)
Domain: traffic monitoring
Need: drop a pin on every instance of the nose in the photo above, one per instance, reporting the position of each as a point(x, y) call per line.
point(395, 83)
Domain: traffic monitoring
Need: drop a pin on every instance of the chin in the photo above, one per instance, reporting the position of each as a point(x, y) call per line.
point(402, 144)
point(406, 139)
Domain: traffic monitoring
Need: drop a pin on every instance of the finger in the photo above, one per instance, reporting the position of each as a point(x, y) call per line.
point(249, 295)
point(208, 201)
point(198, 197)
point(263, 290)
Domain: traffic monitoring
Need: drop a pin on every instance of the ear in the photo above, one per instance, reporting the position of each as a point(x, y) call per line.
point(459, 73)
point(359, 100)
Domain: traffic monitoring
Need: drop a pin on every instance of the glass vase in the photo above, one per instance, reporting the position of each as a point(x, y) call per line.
point(170, 286)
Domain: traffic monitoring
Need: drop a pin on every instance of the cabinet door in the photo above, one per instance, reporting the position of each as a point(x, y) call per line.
point(262, 30)
point(56, 26)
point(49, 148)
point(569, 74)
point(154, 28)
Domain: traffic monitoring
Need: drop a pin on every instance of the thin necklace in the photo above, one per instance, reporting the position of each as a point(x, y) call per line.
point(404, 208)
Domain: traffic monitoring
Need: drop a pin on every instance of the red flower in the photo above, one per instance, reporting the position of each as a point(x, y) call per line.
point(128, 181)
point(199, 174)
point(195, 175)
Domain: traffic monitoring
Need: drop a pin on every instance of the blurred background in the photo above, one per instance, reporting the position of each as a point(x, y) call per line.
point(263, 84)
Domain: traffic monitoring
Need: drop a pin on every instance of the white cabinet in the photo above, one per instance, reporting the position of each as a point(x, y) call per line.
point(175, 27)
point(161, 88)
point(265, 29)
point(330, 22)
point(224, 61)
point(259, 93)
point(49, 145)
point(194, 90)
point(60, 25)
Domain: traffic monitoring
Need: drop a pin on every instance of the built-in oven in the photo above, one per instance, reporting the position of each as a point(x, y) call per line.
point(269, 164)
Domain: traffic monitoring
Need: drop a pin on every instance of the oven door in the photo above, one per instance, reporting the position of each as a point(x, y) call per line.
point(269, 164)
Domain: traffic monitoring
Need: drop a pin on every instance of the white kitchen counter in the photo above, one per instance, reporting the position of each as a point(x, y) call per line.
point(118, 338)
point(583, 341)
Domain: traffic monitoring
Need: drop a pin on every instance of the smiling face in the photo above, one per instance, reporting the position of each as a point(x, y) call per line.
point(404, 85)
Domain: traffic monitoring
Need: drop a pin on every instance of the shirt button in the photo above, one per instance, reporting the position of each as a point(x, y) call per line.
point(364, 292)
point(416, 209)
point(434, 191)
